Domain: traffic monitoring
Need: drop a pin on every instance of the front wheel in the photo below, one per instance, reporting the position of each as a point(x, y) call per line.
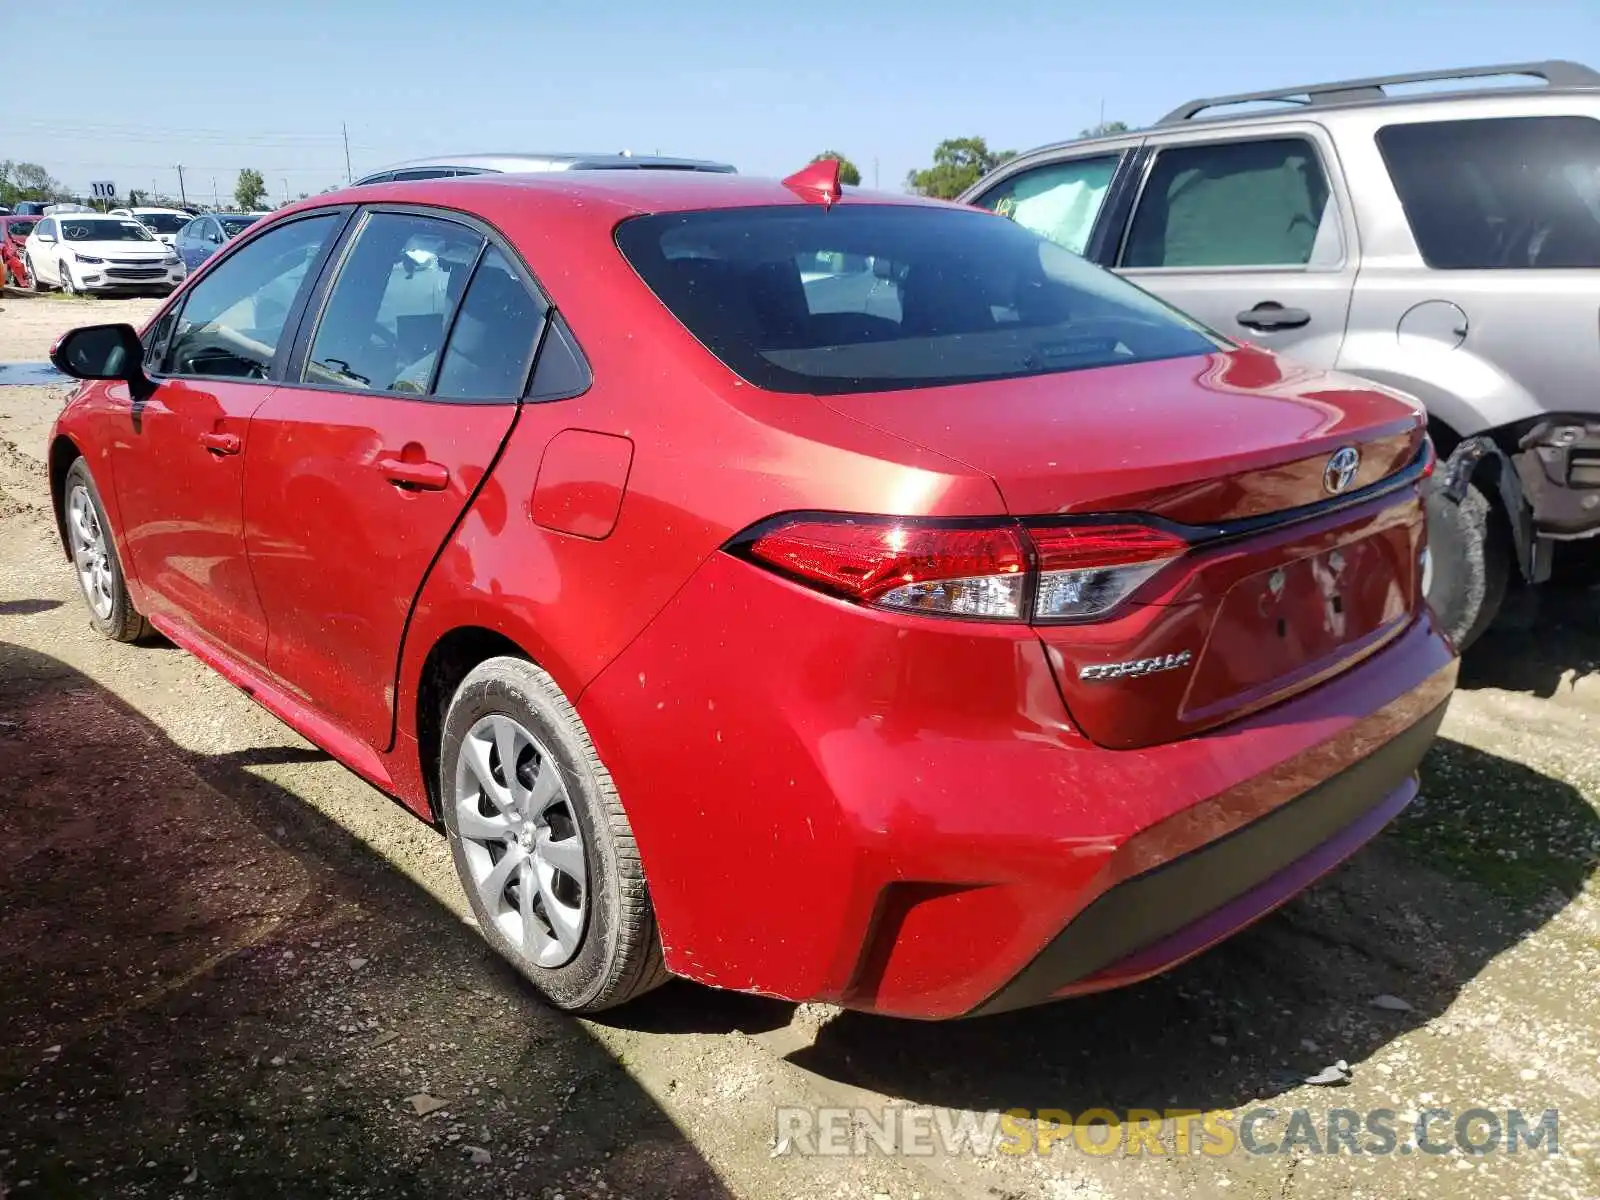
point(65, 279)
point(33, 275)
point(94, 559)
point(541, 843)
point(1470, 545)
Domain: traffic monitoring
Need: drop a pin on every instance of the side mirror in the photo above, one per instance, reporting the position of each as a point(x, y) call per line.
point(45, 237)
point(103, 352)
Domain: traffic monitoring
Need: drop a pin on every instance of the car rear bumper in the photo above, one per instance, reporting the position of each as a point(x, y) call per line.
point(897, 814)
point(1156, 920)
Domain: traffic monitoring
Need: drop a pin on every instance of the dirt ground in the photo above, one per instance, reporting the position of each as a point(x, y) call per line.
point(227, 966)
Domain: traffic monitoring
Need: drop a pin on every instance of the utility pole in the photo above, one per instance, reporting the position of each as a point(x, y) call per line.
point(345, 129)
point(216, 197)
point(285, 191)
point(874, 174)
point(183, 196)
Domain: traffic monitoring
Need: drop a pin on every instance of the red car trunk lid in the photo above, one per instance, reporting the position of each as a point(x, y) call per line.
point(1282, 589)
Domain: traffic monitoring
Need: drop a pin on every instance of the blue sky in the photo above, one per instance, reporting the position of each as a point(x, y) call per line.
point(763, 85)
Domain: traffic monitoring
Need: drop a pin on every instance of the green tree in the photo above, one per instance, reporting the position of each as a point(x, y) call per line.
point(848, 172)
point(28, 181)
point(250, 189)
point(1105, 129)
point(958, 163)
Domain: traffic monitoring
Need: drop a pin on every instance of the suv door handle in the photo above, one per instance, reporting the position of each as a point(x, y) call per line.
point(1270, 315)
point(423, 476)
point(221, 443)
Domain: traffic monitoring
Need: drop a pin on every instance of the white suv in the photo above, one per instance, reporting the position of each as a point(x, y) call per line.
point(163, 222)
point(87, 252)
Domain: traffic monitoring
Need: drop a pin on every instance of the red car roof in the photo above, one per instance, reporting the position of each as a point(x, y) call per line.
point(609, 195)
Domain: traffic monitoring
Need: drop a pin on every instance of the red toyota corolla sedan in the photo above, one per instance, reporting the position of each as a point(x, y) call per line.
point(840, 597)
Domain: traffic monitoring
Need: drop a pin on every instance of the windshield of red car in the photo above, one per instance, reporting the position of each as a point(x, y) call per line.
point(20, 229)
point(75, 229)
point(873, 297)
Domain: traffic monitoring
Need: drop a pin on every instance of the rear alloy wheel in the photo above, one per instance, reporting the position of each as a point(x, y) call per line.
point(540, 841)
point(94, 559)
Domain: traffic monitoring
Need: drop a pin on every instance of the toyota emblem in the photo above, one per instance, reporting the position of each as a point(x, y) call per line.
point(1341, 470)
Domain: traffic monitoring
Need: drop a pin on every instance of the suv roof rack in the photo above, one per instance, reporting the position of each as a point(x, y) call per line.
point(1556, 73)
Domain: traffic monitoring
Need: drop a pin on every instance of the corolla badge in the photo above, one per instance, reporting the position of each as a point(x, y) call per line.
point(1341, 470)
point(1135, 667)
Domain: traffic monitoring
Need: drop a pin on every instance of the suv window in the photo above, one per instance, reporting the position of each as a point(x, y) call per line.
point(232, 320)
point(947, 296)
point(1499, 193)
point(1257, 203)
point(492, 340)
point(1059, 201)
point(385, 319)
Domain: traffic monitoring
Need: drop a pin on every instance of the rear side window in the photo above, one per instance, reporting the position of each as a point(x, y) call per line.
point(492, 341)
point(1505, 193)
point(802, 298)
point(1059, 201)
point(385, 319)
point(1258, 203)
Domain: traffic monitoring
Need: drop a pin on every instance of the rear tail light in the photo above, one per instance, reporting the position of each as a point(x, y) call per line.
point(1087, 570)
point(997, 573)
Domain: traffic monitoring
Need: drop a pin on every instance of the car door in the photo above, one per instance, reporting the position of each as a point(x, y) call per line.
point(188, 244)
point(42, 255)
point(179, 456)
point(359, 471)
point(1252, 234)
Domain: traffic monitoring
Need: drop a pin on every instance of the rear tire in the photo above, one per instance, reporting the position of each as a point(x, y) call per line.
point(94, 559)
point(1472, 557)
point(604, 949)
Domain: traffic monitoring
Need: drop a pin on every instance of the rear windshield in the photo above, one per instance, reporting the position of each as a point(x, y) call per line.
point(877, 297)
point(163, 222)
point(20, 229)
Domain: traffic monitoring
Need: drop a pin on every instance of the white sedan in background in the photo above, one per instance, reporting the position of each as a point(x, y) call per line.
point(87, 252)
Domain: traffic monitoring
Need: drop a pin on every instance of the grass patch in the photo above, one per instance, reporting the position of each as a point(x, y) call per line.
point(1501, 825)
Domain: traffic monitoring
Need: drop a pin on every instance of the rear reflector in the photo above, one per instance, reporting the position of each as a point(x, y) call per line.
point(1072, 573)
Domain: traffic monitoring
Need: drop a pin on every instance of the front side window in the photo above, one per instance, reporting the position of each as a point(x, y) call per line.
point(76, 229)
point(1258, 203)
point(386, 317)
point(232, 321)
point(47, 229)
point(1060, 201)
point(1500, 193)
point(873, 297)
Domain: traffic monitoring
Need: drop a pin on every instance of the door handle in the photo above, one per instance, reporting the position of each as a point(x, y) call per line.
point(222, 443)
point(421, 476)
point(1270, 315)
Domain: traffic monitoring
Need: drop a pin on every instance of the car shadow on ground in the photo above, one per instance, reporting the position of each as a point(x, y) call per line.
point(211, 989)
point(26, 608)
point(1416, 915)
point(1544, 639)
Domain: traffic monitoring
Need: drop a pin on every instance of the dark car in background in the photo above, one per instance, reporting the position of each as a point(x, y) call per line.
point(14, 231)
point(206, 234)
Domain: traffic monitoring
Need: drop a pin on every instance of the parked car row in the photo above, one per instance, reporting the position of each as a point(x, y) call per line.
point(685, 543)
